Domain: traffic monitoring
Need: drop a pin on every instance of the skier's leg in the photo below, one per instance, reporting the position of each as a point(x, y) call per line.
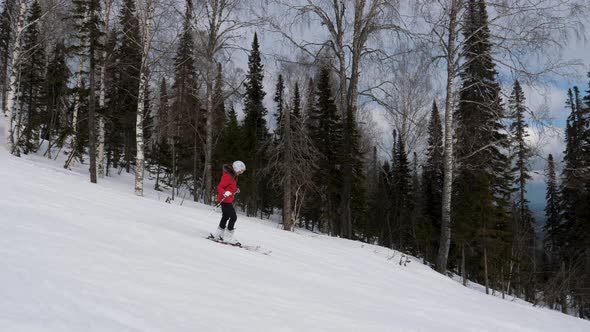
point(232, 217)
point(225, 215)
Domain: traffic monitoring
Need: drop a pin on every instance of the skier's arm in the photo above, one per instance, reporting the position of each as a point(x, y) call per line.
point(225, 180)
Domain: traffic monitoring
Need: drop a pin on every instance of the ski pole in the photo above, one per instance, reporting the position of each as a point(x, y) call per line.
point(217, 205)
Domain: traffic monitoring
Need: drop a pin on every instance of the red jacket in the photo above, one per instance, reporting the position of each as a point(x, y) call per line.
point(228, 183)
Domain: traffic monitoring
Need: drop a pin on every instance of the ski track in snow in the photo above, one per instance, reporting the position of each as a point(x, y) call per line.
point(82, 257)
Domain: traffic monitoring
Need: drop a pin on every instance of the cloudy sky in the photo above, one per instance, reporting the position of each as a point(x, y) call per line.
point(552, 100)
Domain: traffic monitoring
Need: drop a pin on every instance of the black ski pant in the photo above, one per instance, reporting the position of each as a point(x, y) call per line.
point(228, 213)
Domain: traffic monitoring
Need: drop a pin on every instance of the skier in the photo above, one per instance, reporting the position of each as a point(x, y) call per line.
point(226, 190)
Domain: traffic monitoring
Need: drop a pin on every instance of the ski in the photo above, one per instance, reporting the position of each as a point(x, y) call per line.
point(239, 245)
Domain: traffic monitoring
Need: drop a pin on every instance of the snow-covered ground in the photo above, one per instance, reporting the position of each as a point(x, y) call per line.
point(81, 257)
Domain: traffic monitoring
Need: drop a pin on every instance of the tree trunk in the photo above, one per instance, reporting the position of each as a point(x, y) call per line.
point(288, 163)
point(563, 297)
point(92, 116)
point(209, 135)
point(463, 272)
point(101, 101)
point(485, 269)
point(174, 172)
point(16, 54)
point(510, 269)
point(140, 158)
point(74, 137)
point(9, 7)
point(445, 236)
point(195, 166)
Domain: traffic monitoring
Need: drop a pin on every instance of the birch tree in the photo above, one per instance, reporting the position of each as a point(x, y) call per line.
point(12, 87)
point(148, 7)
point(405, 91)
point(102, 93)
point(73, 140)
point(6, 28)
point(94, 45)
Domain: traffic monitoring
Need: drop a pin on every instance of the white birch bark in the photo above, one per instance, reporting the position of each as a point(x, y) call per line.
point(16, 54)
point(101, 100)
point(74, 137)
point(445, 237)
point(140, 158)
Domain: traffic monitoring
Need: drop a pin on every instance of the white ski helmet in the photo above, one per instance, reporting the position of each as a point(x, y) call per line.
point(239, 167)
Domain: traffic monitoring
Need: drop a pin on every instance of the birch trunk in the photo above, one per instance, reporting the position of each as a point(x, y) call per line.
point(215, 10)
point(10, 100)
point(140, 158)
point(445, 236)
point(74, 137)
point(101, 100)
point(9, 7)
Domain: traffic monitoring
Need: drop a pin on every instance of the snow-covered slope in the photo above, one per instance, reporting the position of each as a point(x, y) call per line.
point(81, 257)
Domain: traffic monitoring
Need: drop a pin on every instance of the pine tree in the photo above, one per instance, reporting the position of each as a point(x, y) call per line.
point(518, 129)
point(358, 200)
point(552, 209)
point(571, 183)
point(128, 59)
point(229, 142)
point(161, 151)
point(296, 116)
point(385, 206)
point(402, 198)
point(186, 125)
point(279, 99)
point(56, 89)
point(574, 230)
point(432, 183)
point(32, 83)
point(278, 146)
point(219, 122)
point(255, 134)
point(371, 235)
point(523, 218)
point(312, 207)
point(482, 187)
point(310, 104)
point(327, 137)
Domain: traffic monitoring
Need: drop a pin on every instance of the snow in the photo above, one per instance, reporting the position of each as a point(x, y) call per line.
point(81, 257)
